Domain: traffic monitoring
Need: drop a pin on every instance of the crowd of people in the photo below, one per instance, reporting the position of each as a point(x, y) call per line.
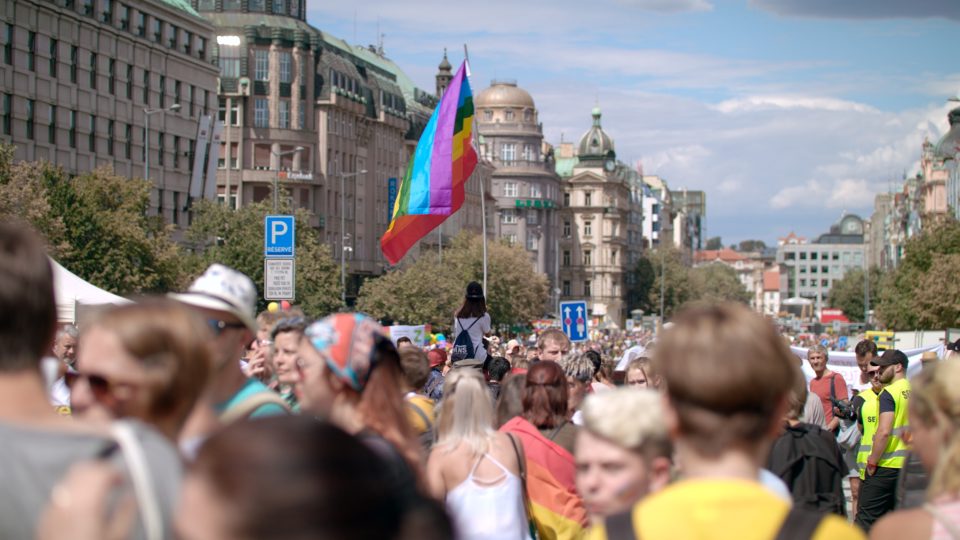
point(191, 416)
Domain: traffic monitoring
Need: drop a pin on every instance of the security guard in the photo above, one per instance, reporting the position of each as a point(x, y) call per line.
point(867, 405)
point(888, 449)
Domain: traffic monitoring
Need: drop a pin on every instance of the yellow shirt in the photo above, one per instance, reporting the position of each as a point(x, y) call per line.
point(419, 409)
point(720, 509)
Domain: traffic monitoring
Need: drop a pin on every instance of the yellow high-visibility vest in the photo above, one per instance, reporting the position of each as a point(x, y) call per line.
point(895, 454)
point(870, 417)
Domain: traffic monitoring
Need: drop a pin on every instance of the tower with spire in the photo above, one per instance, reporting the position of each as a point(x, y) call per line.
point(444, 74)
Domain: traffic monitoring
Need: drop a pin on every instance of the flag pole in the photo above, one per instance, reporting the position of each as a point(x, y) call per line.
point(483, 196)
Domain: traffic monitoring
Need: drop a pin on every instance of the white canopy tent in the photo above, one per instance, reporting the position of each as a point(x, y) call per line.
point(74, 295)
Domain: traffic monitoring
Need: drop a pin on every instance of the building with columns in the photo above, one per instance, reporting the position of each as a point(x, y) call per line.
point(525, 187)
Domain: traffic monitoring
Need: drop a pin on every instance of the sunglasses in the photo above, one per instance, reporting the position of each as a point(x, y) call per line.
point(100, 386)
point(218, 327)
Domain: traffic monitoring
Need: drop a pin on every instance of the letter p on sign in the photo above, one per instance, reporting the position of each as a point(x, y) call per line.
point(279, 233)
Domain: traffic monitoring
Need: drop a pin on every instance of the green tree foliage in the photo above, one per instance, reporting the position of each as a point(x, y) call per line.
point(718, 282)
point(752, 245)
point(431, 292)
point(922, 292)
point(235, 238)
point(678, 287)
point(638, 296)
point(847, 293)
point(714, 243)
point(96, 225)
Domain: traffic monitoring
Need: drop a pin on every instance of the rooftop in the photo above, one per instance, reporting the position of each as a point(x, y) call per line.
point(726, 255)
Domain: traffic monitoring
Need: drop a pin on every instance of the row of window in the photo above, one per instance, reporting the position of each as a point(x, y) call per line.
point(261, 114)
point(121, 16)
point(824, 256)
point(509, 115)
point(230, 58)
point(824, 283)
point(587, 257)
point(277, 7)
point(508, 152)
point(344, 82)
point(31, 108)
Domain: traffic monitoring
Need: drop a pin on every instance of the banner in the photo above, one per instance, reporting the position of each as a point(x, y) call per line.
point(199, 154)
point(417, 334)
point(845, 363)
point(210, 183)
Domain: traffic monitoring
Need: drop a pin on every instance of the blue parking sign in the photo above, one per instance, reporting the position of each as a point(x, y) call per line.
point(278, 236)
point(573, 319)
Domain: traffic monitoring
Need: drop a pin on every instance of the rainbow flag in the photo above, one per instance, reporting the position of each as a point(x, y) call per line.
point(556, 506)
point(432, 189)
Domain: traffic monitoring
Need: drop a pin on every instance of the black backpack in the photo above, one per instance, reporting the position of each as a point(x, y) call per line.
point(463, 346)
point(809, 460)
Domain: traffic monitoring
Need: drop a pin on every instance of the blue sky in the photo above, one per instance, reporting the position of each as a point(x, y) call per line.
point(788, 113)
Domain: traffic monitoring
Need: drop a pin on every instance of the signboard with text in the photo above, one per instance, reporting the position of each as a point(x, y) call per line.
point(278, 236)
point(279, 279)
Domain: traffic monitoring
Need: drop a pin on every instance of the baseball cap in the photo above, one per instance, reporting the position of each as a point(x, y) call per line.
point(512, 343)
point(222, 288)
point(891, 357)
point(474, 291)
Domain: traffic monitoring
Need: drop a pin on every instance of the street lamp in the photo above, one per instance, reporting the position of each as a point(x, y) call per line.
point(146, 135)
point(276, 177)
point(343, 235)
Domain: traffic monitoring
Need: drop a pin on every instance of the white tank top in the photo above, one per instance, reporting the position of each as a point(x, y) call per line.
point(489, 509)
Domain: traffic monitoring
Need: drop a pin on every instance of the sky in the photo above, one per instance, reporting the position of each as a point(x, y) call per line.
point(787, 113)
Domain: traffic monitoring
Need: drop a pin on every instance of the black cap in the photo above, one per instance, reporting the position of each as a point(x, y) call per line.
point(891, 357)
point(474, 291)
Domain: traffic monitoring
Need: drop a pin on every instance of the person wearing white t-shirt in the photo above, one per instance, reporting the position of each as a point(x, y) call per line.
point(473, 317)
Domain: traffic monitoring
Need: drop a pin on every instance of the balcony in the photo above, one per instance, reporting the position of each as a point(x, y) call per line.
point(500, 128)
point(533, 165)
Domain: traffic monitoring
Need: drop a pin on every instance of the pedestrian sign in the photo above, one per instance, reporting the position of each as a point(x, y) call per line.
point(573, 318)
point(278, 236)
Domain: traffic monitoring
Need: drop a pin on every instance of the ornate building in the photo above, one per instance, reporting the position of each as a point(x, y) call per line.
point(525, 187)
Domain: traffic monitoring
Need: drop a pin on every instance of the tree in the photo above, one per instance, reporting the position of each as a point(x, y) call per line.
point(907, 299)
point(638, 296)
point(431, 292)
point(235, 238)
point(678, 287)
point(752, 245)
point(718, 282)
point(847, 293)
point(96, 225)
point(714, 243)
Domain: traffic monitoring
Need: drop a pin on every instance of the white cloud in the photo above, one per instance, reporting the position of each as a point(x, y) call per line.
point(669, 6)
point(757, 103)
point(862, 9)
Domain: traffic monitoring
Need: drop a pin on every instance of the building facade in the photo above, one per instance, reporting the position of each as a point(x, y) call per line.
point(80, 80)
point(525, 187)
point(809, 269)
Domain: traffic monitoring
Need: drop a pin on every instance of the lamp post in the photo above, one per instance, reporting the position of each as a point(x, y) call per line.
point(146, 135)
point(276, 177)
point(343, 234)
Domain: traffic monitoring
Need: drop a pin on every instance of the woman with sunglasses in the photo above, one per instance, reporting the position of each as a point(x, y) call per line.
point(149, 361)
point(349, 374)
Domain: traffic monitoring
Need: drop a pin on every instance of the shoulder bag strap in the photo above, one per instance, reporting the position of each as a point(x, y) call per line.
point(556, 430)
point(143, 488)
point(620, 526)
point(943, 520)
point(522, 466)
point(421, 413)
point(833, 390)
point(247, 407)
point(800, 524)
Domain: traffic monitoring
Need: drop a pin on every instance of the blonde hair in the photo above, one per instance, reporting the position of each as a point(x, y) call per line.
point(466, 412)
point(935, 403)
point(576, 365)
point(630, 418)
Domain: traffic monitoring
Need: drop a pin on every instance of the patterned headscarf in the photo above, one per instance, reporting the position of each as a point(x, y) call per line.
point(347, 343)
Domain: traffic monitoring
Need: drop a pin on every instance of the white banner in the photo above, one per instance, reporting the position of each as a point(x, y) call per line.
point(417, 334)
point(210, 183)
point(199, 154)
point(845, 363)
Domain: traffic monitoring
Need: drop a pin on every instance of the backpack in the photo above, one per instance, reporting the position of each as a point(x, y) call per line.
point(463, 346)
point(427, 437)
point(809, 460)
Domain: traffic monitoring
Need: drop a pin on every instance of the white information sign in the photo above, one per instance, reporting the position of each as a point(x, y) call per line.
point(279, 279)
point(417, 334)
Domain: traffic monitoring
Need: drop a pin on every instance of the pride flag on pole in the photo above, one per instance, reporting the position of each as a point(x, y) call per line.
point(432, 188)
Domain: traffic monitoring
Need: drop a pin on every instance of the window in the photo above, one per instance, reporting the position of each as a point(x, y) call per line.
point(284, 112)
point(803, 283)
point(254, 5)
point(128, 141)
point(587, 257)
point(302, 113)
point(279, 6)
point(588, 198)
point(163, 91)
point(508, 152)
point(7, 112)
point(31, 50)
point(92, 136)
point(588, 228)
point(813, 255)
point(160, 149)
point(566, 258)
point(72, 130)
point(52, 124)
point(141, 29)
point(191, 90)
point(528, 152)
point(176, 207)
point(157, 30)
point(230, 60)
point(803, 255)
point(824, 282)
point(532, 216)
point(285, 67)
point(587, 290)
point(8, 44)
point(509, 215)
point(173, 35)
point(566, 228)
point(511, 239)
point(202, 48)
point(790, 256)
point(836, 256)
point(87, 7)
point(508, 115)
point(261, 65)
point(146, 88)
point(176, 151)
point(295, 8)
point(111, 75)
point(129, 81)
point(187, 42)
point(124, 17)
point(566, 199)
point(613, 257)
point(510, 189)
point(110, 137)
point(261, 115)
point(487, 114)
point(107, 15)
point(54, 45)
point(176, 91)
point(566, 288)
point(30, 106)
point(824, 270)
point(803, 269)
point(93, 70)
point(535, 191)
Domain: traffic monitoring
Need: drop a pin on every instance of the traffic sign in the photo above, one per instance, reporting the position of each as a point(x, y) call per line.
point(279, 279)
point(573, 318)
point(278, 236)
